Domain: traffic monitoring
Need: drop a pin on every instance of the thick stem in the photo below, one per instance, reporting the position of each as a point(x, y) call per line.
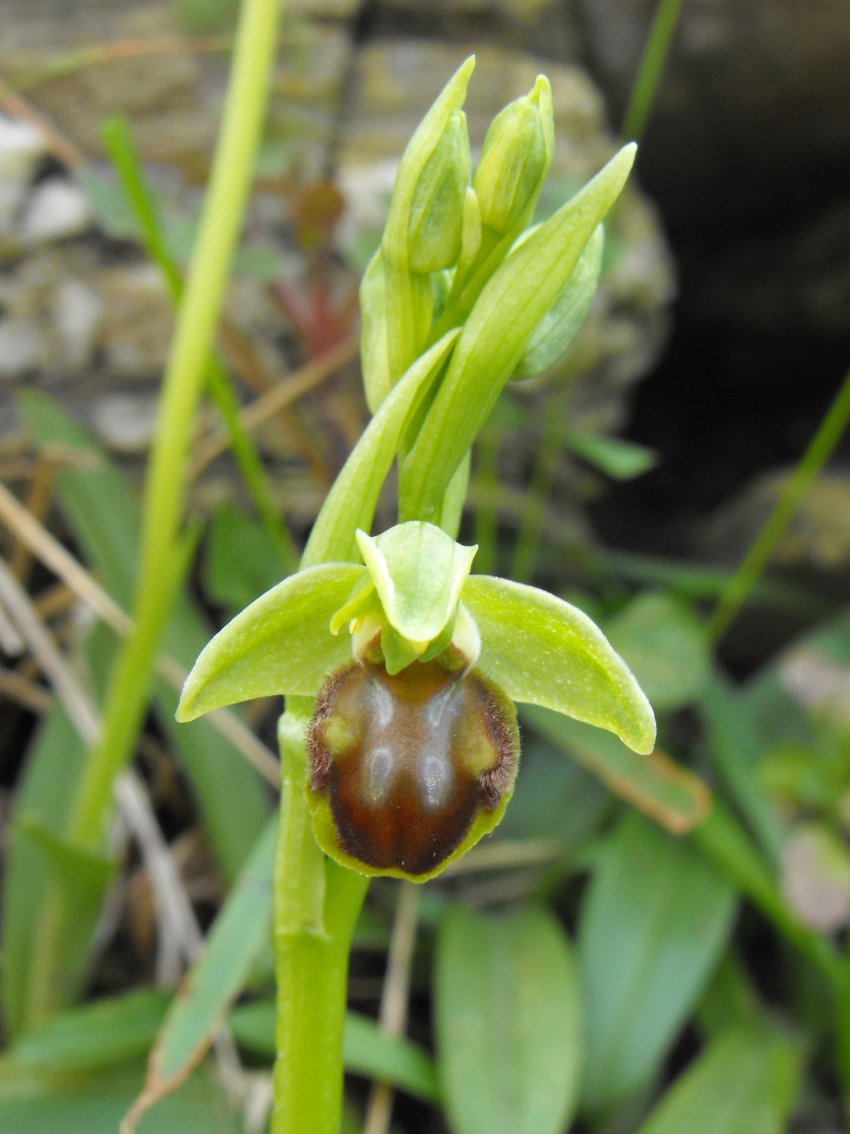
point(316, 908)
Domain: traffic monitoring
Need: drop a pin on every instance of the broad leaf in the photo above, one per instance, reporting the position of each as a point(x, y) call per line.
point(665, 645)
point(543, 651)
point(96, 1104)
point(745, 1083)
point(508, 1022)
point(654, 923)
point(53, 765)
point(280, 644)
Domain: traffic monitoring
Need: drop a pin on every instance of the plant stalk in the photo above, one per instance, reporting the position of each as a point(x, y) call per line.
point(316, 905)
point(160, 559)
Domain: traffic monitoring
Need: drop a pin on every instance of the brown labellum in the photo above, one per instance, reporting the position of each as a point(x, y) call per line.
point(408, 762)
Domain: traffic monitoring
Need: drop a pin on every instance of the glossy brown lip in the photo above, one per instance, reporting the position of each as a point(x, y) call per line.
point(408, 761)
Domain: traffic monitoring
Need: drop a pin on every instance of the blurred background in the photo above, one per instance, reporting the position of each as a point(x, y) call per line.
point(633, 478)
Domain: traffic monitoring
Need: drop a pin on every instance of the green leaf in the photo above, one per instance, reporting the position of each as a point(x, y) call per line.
point(736, 747)
point(666, 792)
point(554, 798)
point(543, 651)
point(96, 1104)
point(512, 304)
point(280, 644)
point(103, 1034)
point(241, 560)
point(217, 978)
point(103, 512)
point(654, 924)
point(367, 1049)
point(559, 326)
point(45, 788)
point(724, 841)
point(619, 459)
point(508, 1022)
point(665, 645)
point(418, 572)
point(746, 1082)
point(351, 502)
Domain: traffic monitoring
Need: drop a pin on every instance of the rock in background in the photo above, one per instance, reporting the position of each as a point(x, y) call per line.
point(747, 157)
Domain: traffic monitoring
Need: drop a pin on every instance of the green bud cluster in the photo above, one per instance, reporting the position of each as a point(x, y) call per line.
point(453, 237)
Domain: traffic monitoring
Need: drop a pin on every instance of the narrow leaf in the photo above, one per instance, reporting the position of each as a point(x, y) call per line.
point(654, 923)
point(508, 1022)
point(52, 767)
point(543, 651)
point(280, 644)
point(214, 982)
point(666, 792)
point(102, 1034)
point(103, 512)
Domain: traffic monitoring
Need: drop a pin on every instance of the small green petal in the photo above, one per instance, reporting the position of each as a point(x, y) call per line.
point(543, 651)
point(418, 572)
point(280, 644)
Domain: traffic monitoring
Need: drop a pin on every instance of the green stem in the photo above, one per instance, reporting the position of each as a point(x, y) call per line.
point(316, 908)
point(220, 224)
point(820, 449)
point(122, 152)
point(649, 72)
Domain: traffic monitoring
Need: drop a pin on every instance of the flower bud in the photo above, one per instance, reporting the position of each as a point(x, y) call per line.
point(435, 226)
point(408, 771)
point(516, 159)
point(431, 185)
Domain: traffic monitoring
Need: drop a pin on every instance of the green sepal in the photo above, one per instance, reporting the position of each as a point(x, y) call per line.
point(558, 327)
point(418, 572)
point(496, 334)
point(373, 333)
point(279, 644)
point(543, 651)
point(351, 502)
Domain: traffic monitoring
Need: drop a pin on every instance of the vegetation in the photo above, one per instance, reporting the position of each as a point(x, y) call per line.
point(632, 949)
